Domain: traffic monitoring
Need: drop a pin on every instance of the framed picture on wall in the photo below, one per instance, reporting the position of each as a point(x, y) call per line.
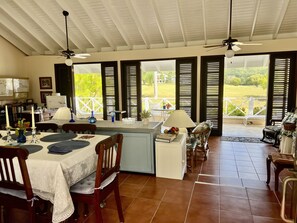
point(43, 95)
point(45, 83)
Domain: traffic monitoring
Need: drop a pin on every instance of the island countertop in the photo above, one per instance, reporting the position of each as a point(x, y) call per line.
point(114, 126)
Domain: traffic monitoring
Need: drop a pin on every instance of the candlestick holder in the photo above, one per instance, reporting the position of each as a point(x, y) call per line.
point(71, 119)
point(34, 136)
point(8, 133)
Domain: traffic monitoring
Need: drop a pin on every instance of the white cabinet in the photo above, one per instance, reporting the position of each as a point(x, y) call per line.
point(171, 158)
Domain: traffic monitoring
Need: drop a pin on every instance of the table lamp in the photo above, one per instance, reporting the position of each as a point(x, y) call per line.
point(179, 119)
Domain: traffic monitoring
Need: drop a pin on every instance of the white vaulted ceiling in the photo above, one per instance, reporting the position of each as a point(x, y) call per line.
point(36, 27)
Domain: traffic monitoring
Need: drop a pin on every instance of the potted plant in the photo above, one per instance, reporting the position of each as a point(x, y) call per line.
point(145, 114)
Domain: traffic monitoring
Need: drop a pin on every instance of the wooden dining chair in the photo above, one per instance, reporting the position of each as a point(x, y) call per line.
point(95, 188)
point(79, 128)
point(44, 127)
point(15, 194)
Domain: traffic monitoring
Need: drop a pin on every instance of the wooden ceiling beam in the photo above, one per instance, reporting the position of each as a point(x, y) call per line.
point(159, 23)
point(116, 20)
point(285, 4)
point(98, 22)
point(134, 15)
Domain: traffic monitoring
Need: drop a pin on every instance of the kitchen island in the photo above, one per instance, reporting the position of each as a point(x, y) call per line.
point(138, 153)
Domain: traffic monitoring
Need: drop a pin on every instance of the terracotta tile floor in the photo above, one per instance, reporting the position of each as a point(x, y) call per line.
point(228, 187)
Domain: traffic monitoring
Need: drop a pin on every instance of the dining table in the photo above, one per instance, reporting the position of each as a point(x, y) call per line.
point(57, 161)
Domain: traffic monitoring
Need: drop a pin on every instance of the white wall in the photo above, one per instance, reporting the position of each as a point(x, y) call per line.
point(43, 66)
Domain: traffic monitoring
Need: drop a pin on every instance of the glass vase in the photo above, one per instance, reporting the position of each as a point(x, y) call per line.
point(21, 136)
point(92, 119)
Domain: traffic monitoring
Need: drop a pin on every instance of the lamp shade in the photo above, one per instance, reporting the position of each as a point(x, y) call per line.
point(180, 119)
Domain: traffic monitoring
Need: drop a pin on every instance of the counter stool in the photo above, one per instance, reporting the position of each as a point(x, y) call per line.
point(280, 161)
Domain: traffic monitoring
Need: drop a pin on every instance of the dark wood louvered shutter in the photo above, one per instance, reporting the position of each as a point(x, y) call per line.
point(186, 85)
point(64, 81)
point(282, 85)
point(110, 91)
point(131, 89)
point(212, 80)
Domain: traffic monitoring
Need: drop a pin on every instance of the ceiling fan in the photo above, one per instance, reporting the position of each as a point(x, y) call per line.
point(69, 53)
point(232, 44)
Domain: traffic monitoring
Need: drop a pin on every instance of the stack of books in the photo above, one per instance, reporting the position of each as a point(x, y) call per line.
point(165, 137)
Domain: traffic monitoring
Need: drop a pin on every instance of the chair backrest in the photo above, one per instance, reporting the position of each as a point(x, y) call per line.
point(79, 128)
point(202, 132)
point(8, 166)
point(109, 157)
point(44, 127)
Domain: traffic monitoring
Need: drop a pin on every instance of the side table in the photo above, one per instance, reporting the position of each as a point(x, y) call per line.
point(171, 158)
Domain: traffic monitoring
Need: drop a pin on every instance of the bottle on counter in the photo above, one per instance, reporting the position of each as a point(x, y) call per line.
point(112, 116)
point(92, 119)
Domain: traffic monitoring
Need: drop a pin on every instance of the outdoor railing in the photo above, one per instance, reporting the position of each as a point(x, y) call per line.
point(244, 107)
point(85, 105)
point(232, 107)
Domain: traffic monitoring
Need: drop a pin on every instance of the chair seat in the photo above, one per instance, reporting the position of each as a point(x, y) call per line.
point(273, 128)
point(86, 185)
point(16, 193)
point(281, 158)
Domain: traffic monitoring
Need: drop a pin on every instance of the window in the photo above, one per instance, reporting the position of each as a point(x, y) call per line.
point(88, 90)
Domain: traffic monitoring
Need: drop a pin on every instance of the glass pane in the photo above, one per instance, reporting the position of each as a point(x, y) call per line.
point(88, 90)
point(158, 86)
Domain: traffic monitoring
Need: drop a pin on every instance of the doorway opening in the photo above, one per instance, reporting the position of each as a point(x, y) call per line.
point(245, 95)
point(88, 90)
point(158, 88)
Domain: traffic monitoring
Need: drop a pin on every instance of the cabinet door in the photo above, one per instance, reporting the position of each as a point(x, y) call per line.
point(137, 154)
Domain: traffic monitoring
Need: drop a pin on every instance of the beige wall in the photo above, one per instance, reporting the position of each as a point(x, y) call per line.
point(43, 66)
point(10, 59)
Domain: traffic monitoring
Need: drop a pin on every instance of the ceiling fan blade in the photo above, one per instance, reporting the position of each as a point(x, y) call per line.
point(213, 45)
point(214, 48)
point(235, 48)
point(83, 54)
point(79, 57)
point(247, 44)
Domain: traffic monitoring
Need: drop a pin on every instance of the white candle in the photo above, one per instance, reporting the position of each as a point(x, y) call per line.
point(33, 118)
point(70, 100)
point(7, 118)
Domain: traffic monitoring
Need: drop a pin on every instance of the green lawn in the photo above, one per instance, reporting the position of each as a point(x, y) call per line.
point(164, 90)
point(244, 91)
point(168, 91)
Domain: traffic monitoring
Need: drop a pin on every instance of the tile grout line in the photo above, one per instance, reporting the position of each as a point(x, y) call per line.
point(158, 206)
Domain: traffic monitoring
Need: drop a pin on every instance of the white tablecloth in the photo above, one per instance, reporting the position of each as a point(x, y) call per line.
point(52, 175)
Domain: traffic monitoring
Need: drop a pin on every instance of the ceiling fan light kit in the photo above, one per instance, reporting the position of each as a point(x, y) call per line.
point(229, 53)
point(68, 61)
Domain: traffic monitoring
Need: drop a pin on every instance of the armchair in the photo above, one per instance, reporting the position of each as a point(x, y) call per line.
point(271, 132)
point(198, 143)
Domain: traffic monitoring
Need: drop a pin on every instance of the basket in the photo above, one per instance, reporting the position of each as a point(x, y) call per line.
point(289, 126)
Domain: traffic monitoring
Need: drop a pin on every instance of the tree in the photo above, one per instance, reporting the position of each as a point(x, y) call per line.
point(235, 81)
point(148, 77)
point(88, 85)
